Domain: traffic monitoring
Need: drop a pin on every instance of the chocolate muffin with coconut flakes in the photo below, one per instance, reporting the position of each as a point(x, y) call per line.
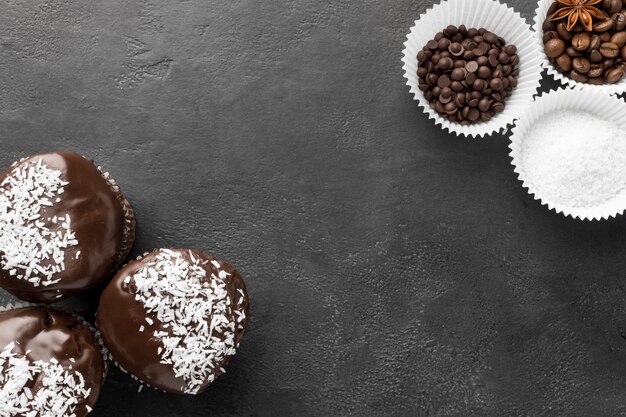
point(174, 318)
point(50, 364)
point(64, 227)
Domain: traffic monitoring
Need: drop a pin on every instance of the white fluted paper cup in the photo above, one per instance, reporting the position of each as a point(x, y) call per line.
point(541, 13)
point(495, 17)
point(597, 192)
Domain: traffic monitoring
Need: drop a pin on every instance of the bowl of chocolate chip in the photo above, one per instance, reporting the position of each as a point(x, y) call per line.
point(472, 66)
point(583, 42)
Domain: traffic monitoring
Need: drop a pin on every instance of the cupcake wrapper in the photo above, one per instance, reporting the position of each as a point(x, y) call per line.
point(495, 17)
point(590, 101)
point(541, 13)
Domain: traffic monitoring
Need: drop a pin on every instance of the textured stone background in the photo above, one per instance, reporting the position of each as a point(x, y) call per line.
point(394, 270)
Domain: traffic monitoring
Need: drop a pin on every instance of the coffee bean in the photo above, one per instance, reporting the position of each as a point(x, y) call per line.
point(576, 76)
point(564, 63)
point(594, 43)
point(580, 41)
point(619, 21)
point(615, 6)
point(553, 48)
point(619, 39)
point(609, 50)
point(554, 7)
point(603, 25)
point(595, 71)
point(563, 33)
point(596, 80)
point(596, 56)
point(550, 35)
point(616, 74)
point(605, 36)
point(581, 65)
point(608, 63)
point(623, 53)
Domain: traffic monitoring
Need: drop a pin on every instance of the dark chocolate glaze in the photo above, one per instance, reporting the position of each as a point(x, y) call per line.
point(119, 318)
point(102, 220)
point(48, 334)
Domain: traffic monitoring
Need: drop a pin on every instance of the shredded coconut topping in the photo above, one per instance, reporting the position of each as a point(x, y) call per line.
point(60, 392)
point(30, 249)
point(197, 311)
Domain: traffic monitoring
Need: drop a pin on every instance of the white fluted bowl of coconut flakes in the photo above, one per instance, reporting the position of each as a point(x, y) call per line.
point(569, 150)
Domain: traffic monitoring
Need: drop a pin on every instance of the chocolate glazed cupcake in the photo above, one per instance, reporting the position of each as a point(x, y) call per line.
point(64, 227)
point(174, 318)
point(50, 364)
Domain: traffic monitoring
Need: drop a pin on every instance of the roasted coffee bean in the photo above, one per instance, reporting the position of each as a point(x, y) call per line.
point(596, 56)
point(615, 6)
point(581, 65)
point(561, 30)
point(580, 41)
point(595, 71)
point(623, 53)
point(576, 76)
point(596, 80)
point(609, 50)
point(616, 74)
point(608, 63)
point(619, 21)
point(619, 39)
point(603, 25)
point(605, 36)
point(563, 63)
point(594, 43)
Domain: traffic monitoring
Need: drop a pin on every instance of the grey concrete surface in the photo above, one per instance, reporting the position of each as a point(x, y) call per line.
point(394, 270)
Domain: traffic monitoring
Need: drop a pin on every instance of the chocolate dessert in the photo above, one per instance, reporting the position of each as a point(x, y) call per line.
point(174, 318)
point(64, 227)
point(50, 364)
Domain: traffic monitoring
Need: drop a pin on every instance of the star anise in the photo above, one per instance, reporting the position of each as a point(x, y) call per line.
point(576, 11)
